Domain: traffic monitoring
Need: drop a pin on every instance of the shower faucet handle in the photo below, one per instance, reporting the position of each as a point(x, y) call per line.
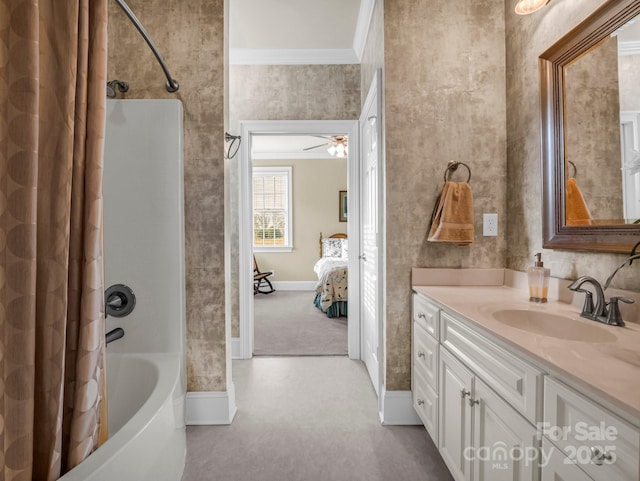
point(114, 300)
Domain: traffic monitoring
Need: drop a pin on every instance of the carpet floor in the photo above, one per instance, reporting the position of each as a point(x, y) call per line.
point(309, 419)
point(286, 323)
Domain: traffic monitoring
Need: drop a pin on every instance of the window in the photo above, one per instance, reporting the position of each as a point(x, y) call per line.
point(272, 209)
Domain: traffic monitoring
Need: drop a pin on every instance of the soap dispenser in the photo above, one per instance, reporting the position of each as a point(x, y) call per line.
point(538, 280)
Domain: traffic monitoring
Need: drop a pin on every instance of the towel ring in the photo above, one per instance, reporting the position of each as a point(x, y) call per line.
point(452, 167)
point(575, 169)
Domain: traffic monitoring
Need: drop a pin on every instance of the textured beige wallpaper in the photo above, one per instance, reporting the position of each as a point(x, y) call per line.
point(445, 99)
point(316, 184)
point(190, 37)
point(526, 38)
point(592, 130)
point(283, 92)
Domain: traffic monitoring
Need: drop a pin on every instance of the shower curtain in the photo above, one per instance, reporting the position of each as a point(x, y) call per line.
point(52, 108)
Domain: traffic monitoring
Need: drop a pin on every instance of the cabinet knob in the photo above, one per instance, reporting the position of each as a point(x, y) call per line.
point(420, 402)
point(599, 457)
point(421, 315)
point(464, 393)
point(473, 401)
point(420, 354)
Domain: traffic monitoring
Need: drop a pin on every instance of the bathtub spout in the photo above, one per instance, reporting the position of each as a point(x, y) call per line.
point(114, 334)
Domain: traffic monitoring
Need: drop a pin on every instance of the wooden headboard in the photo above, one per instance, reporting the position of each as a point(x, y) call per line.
point(338, 235)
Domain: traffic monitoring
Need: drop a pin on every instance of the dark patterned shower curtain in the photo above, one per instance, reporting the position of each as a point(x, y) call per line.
point(52, 347)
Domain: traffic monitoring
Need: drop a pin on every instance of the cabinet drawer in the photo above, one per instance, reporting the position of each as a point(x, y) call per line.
point(557, 467)
point(579, 426)
point(517, 381)
point(426, 314)
point(425, 355)
point(425, 403)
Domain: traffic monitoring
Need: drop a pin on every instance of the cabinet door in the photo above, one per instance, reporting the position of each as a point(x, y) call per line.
point(557, 467)
point(505, 445)
point(456, 386)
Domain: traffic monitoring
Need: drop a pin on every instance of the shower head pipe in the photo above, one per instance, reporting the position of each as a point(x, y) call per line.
point(172, 84)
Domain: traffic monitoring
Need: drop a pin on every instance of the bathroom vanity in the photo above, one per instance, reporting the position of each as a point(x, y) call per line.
point(509, 389)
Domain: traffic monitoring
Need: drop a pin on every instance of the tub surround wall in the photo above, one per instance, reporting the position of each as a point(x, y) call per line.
point(283, 92)
point(526, 38)
point(193, 50)
point(444, 99)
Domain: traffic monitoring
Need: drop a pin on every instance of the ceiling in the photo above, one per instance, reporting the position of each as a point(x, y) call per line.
point(291, 147)
point(280, 32)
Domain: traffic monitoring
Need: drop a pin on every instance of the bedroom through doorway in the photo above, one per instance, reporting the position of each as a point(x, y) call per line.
point(295, 234)
point(300, 244)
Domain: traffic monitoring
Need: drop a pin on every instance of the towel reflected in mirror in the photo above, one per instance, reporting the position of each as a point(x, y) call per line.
point(576, 210)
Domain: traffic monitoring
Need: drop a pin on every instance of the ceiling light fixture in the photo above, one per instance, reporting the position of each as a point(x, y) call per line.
point(338, 147)
point(525, 7)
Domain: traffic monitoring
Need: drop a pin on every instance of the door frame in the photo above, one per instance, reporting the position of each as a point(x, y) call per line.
point(245, 192)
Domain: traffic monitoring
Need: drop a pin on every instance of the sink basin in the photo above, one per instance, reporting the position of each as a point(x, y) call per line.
point(552, 325)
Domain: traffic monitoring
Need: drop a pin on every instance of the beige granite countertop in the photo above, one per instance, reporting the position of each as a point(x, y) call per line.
point(609, 370)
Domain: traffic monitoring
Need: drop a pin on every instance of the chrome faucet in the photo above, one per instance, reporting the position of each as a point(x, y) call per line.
point(602, 311)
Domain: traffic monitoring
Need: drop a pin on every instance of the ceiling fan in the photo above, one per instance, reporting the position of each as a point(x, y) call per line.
point(338, 145)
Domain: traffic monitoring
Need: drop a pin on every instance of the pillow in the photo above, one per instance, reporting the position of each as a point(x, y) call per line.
point(332, 247)
point(345, 249)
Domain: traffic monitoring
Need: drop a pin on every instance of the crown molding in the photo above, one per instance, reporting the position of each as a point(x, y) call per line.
point(362, 27)
point(292, 56)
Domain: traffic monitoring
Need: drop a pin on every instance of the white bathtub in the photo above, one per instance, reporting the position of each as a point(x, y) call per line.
point(147, 440)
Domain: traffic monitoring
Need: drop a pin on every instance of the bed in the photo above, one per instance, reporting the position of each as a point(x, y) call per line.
point(331, 269)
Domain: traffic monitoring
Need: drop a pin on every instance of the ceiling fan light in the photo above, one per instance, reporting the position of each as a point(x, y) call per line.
point(332, 150)
point(525, 7)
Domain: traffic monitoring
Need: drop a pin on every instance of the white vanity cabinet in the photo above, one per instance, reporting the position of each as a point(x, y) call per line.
point(424, 364)
point(481, 436)
point(494, 410)
point(461, 381)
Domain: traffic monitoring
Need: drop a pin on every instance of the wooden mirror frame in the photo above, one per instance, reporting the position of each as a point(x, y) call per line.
point(555, 234)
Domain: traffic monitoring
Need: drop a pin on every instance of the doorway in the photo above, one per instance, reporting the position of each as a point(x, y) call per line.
point(297, 182)
point(249, 131)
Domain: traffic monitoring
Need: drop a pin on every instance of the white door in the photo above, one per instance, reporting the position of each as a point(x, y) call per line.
point(371, 279)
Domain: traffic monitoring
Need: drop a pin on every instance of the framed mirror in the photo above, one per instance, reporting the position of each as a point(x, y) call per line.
point(590, 113)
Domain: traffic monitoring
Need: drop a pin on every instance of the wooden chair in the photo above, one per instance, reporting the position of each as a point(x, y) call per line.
point(261, 283)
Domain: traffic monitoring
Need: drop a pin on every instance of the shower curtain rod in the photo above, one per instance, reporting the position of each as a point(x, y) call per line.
point(172, 84)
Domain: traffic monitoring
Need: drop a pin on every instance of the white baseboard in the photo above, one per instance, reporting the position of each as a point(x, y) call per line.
point(294, 285)
point(397, 409)
point(211, 407)
point(236, 348)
